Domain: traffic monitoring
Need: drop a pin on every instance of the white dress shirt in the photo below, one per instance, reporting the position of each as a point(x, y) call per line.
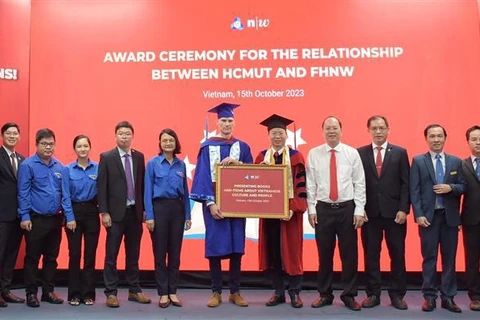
point(375, 150)
point(350, 177)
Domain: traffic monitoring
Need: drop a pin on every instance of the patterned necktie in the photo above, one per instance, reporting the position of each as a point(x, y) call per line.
point(333, 177)
point(477, 170)
point(378, 162)
point(440, 176)
point(14, 164)
point(128, 176)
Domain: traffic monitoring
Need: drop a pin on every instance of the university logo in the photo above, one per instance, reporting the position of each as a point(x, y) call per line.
point(255, 23)
point(237, 24)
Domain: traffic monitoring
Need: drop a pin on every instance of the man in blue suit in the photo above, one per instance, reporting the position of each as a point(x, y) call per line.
point(436, 186)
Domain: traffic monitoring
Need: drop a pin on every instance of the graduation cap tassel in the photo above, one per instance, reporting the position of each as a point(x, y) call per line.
point(206, 128)
point(294, 137)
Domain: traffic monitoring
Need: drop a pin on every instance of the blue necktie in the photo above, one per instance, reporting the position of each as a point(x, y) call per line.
point(477, 170)
point(128, 176)
point(440, 176)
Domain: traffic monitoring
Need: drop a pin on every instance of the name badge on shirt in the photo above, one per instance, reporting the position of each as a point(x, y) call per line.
point(92, 176)
point(453, 173)
point(58, 175)
point(181, 174)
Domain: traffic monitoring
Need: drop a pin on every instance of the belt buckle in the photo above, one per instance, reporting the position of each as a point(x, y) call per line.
point(334, 205)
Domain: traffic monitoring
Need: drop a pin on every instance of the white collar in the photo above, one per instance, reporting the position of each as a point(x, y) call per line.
point(384, 145)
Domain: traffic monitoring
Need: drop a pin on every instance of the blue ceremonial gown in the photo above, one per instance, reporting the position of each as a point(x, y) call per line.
point(225, 236)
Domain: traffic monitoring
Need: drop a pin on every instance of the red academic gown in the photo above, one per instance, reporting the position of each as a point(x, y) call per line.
point(291, 232)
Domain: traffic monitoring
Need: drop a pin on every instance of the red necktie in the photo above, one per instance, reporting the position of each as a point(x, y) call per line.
point(333, 177)
point(378, 162)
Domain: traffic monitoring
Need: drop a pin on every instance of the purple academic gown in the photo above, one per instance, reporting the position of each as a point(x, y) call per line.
point(225, 236)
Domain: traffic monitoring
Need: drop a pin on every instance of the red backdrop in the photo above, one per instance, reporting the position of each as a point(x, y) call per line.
point(72, 89)
point(15, 54)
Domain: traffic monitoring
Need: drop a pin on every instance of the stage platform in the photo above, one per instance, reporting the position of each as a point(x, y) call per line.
point(194, 301)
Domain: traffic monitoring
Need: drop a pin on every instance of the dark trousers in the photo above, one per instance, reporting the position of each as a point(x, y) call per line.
point(333, 222)
point(372, 237)
point(43, 240)
point(233, 273)
point(167, 240)
point(81, 284)
point(275, 260)
point(10, 239)
point(471, 244)
point(439, 234)
point(132, 229)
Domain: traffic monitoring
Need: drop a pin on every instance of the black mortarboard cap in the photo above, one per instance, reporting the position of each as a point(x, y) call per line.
point(276, 121)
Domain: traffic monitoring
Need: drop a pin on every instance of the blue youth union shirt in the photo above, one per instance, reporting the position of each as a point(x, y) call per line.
point(39, 187)
point(165, 180)
point(78, 185)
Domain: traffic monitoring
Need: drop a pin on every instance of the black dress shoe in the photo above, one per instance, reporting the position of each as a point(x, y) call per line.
point(275, 300)
point(450, 305)
point(321, 302)
point(10, 297)
point(351, 304)
point(52, 298)
point(295, 300)
point(371, 302)
point(429, 304)
point(3, 304)
point(32, 301)
point(399, 303)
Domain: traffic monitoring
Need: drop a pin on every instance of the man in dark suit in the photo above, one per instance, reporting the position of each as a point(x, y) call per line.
point(436, 186)
point(10, 231)
point(120, 198)
point(386, 173)
point(471, 216)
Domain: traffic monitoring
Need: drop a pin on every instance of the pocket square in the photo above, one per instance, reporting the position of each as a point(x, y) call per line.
point(452, 173)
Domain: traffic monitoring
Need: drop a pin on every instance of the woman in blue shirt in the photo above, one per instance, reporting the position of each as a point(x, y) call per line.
point(79, 188)
point(167, 208)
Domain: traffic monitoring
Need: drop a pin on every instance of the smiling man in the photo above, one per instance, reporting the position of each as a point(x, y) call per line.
point(436, 186)
point(386, 174)
point(10, 231)
point(336, 202)
point(224, 237)
point(39, 208)
point(281, 241)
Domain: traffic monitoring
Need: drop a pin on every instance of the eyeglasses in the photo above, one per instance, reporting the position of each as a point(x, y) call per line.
point(47, 144)
point(124, 134)
point(11, 134)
